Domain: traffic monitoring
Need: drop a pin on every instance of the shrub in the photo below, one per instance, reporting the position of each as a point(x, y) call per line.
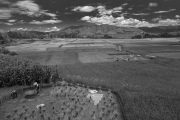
point(6, 51)
point(12, 53)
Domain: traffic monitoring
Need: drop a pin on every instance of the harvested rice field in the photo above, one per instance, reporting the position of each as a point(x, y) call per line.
point(63, 102)
point(72, 51)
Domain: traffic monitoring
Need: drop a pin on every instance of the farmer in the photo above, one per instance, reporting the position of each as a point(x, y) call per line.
point(37, 87)
point(13, 94)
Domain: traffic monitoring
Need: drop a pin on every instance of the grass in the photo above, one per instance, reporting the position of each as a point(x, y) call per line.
point(150, 89)
point(150, 107)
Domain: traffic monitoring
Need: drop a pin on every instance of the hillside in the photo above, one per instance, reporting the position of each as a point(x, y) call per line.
point(100, 31)
point(161, 29)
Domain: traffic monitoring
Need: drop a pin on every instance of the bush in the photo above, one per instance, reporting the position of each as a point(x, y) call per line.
point(12, 53)
point(6, 51)
point(16, 71)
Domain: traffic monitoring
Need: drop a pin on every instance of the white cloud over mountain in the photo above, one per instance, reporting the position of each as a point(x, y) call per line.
point(105, 17)
point(118, 21)
point(45, 22)
point(52, 29)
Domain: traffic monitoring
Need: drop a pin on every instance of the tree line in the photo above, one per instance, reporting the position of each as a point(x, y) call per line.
point(160, 35)
point(8, 36)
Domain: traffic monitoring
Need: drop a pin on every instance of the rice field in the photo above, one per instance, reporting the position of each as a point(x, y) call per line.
point(149, 86)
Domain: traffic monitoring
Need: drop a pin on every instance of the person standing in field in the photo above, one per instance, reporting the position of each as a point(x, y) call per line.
point(36, 87)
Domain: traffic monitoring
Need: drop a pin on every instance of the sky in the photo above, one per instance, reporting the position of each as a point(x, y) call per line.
point(53, 15)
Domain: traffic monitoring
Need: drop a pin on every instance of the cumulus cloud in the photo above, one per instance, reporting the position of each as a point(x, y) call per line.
point(106, 17)
point(103, 11)
point(84, 9)
point(52, 29)
point(165, 11)
point(26, 7)
point(130, 22)
point(153, 4)
point(177, 16)
point(45, 22)
point(168, 22)
point(118, 21)
point(30, 8)
point(11, 21)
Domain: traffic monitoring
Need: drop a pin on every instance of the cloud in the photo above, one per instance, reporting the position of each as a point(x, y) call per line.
point(156, 19)
point(124, 4)
point(11, 21)
point(130, 22)
point(5, 13)
point(21, 22)
point(19, 29)
point(177, 16)
point(52, 29)
point(26, 7)
point(45, 22)
point(168, 22)
point(23, 29)
point(84, 9)
point(105, 17)
point(165, 11)
point(8, 24)
point(142, 14)
point(103, 11)
point(153, 4)
point(118, 21)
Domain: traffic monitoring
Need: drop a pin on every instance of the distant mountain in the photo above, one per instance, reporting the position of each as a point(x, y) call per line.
point(161, 29)
point(99, 30)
